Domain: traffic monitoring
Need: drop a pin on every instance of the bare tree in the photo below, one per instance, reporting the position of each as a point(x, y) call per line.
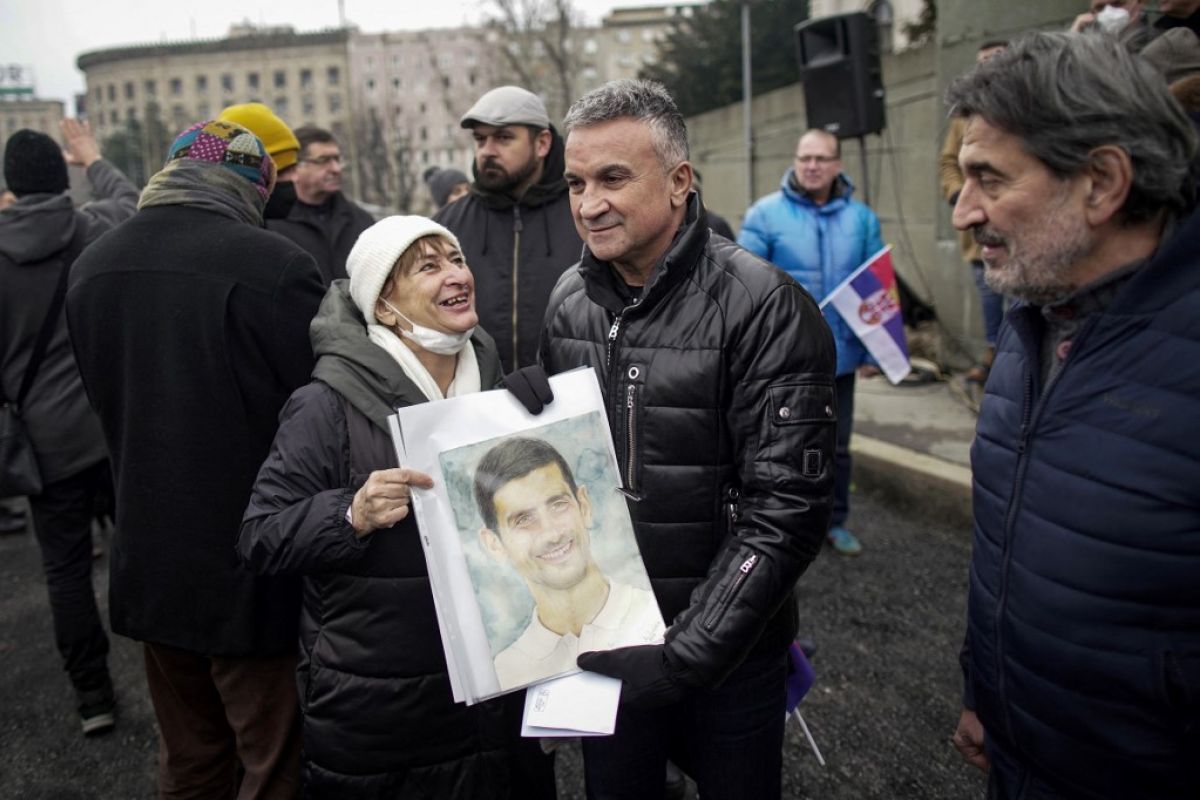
point(534, 40)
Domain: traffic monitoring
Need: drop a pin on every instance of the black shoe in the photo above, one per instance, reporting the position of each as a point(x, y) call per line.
point(97, 710)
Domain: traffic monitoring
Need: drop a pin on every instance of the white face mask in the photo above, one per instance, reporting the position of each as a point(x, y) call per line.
point(1112, 19)
point(444, 344)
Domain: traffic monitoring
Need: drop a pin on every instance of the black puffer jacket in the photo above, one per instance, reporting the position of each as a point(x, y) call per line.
point(516, 249)
point(719, 387)
point(379, 719)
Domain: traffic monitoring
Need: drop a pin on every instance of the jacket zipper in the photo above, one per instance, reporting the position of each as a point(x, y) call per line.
point(1029, 416)
point(631, 438)
point(516, 265)
point(730, 592)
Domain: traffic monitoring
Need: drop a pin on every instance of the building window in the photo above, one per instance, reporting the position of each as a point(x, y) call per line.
point(422, 108)
point(590, 46)
point(281, 106)
point(176, 87)
point(151, 88)
point(308, 107)
point(471, 78)
point(280, 79)
point(202, 109)
point(112, 93)
point(99, 95)
point(112, 116)
point(128, 90)
point(201, 83)
point(332, 76)
point(306, 79)
point(424, 134)
point(227, 82)
point(178, 117)
point(445, 81)
point(370, 84)
point(396, 84)
point(648, 35)
point(335, 103)
point(252, 81)
point(623, 37)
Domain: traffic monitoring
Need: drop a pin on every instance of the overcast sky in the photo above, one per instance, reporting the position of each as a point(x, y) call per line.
point(48, 35)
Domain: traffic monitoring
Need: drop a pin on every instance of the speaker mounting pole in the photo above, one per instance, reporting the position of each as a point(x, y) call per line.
point(747, 99)
point(866, 177)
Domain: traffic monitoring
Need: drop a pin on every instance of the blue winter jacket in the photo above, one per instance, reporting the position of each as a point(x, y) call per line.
point(1083, 634)
point(819, 246)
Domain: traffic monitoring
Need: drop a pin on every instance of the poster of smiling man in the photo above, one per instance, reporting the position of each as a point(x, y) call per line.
point(530, 547)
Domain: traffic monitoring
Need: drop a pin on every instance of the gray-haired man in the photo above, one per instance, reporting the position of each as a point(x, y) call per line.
point(718, 376)
point(1082, 659)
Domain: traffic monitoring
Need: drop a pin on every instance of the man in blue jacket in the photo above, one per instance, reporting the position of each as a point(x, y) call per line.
point(814, 230)
point(1082, 657)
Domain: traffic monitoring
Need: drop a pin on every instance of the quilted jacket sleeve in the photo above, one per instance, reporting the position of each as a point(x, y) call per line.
point(755, 235)
point(782, 422)
point(296, 519)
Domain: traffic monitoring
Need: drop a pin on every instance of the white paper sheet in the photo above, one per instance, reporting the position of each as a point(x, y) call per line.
point(583, 704)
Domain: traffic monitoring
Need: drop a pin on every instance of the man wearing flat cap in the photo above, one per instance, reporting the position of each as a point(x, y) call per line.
point(515, 224)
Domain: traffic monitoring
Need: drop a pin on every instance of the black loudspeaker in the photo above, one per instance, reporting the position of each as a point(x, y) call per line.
point(843, 83)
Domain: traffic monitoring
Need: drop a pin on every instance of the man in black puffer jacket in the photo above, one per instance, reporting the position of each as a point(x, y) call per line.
point(515, 225)
point(717, 370)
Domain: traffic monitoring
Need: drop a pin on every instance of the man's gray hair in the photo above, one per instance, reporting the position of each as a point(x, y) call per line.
point(1063, 95)
point(648, 101)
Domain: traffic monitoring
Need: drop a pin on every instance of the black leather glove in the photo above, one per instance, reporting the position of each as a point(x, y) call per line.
point(648, 678)
point(531, 386)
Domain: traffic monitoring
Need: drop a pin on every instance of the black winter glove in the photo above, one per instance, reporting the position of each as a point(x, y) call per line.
point(648, 678)
point(531, 387)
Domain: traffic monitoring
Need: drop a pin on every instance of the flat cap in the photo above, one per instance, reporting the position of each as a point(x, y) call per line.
point(507, 105)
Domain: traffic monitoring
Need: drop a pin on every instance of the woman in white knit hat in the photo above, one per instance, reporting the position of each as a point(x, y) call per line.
point(331, 504)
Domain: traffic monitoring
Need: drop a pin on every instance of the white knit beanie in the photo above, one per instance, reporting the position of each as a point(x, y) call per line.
point(376, 252)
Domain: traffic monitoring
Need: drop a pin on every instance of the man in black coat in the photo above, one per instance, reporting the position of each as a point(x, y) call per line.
point(40, 234)
point(323, 221)
point(717, 371)
point(515, 224)
point(190, 326)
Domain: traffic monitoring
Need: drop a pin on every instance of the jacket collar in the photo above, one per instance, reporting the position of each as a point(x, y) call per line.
point(672, 268)
point(842, 191)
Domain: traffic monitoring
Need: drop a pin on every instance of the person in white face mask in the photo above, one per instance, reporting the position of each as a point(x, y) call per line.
point(1110, 16)
point(331, 504)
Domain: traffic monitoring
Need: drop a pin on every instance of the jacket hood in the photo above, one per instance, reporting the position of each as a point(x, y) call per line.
point(361, 371)
point(548, 188)
point(843, 190)
point(36, 227)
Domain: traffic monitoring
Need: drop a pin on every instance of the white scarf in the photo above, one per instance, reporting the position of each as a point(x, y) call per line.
point(466, 372)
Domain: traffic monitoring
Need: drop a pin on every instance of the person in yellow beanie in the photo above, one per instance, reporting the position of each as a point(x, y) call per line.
point(282, 145)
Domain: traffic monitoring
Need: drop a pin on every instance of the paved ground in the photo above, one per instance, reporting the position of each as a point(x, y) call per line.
point(888, 626)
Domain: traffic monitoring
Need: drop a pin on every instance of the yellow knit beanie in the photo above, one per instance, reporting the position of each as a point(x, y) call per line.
point(280, 142)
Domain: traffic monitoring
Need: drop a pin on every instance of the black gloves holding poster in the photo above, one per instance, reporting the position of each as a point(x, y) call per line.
point(531, 386)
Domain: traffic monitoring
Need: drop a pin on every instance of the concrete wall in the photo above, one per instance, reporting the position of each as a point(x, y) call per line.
point(901, 164)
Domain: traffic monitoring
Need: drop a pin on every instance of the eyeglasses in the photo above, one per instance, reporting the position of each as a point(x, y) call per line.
point(822, 160)
point(322, 161)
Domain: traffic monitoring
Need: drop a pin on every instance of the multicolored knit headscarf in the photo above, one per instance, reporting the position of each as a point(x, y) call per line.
point(228, 145)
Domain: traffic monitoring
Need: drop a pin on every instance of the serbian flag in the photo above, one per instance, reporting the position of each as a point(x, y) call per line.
point(869, 301)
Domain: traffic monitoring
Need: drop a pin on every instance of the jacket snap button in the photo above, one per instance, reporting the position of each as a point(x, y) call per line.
point(785, 412)
point(633, 373)
point(829, 411)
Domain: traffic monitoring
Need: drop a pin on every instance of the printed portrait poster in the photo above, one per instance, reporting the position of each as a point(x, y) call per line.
point(531, 551)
